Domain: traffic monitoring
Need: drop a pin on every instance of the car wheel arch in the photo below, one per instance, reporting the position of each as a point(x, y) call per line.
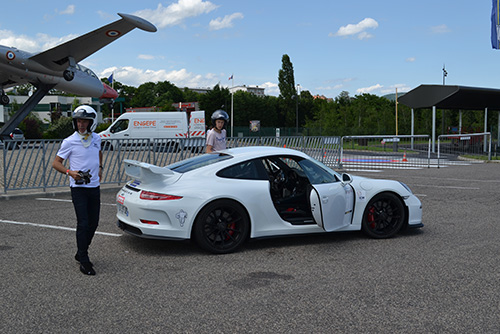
point(220, 200)
point(390, 193)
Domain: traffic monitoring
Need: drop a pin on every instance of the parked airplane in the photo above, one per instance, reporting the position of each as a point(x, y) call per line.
point(58, 67)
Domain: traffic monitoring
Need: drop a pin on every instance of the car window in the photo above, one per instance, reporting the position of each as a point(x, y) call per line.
point(318, 173)
point(197, 162)
point(121, 125)
point(247, 170)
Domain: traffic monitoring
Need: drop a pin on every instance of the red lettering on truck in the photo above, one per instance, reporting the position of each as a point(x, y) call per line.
point(144, 123)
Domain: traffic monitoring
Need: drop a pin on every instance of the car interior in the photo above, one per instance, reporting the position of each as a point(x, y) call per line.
point(289, 185)
point(290, 189)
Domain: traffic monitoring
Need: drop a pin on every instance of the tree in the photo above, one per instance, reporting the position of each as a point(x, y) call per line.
point(288, 93)
point(144, 95)
point(217, 98)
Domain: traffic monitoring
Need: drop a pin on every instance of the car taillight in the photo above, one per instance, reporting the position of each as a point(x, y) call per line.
point(150, 222)
point(152, 196)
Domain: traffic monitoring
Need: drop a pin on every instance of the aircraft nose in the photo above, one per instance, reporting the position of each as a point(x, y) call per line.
point(109, 93)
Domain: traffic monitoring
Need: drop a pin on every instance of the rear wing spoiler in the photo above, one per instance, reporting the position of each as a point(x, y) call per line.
point(147, 173)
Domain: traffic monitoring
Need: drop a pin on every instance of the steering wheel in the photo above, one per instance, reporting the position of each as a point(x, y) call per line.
point(280, 177)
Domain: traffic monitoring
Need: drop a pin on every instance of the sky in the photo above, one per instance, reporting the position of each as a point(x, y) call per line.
point(361, 46)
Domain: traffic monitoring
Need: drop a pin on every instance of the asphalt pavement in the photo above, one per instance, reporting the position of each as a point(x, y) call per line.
point(442, 278)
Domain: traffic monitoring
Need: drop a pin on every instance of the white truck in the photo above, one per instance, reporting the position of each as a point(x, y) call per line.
point(169, 130)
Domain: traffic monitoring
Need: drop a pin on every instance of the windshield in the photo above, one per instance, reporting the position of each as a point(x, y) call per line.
point(197, 162)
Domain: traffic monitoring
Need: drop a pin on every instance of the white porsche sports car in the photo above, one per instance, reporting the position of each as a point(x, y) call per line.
point(222, 199)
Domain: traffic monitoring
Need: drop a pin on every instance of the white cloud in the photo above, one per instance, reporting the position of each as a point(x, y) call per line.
point(440, 29)
point(357, 29)
point(392, 89)
point(135, 77)
point(70, 10)
point(176, 13)
point(226, 22)
point(146, 57)
point(369, 90)
point(365, 35)
point(335, 87)
point(410, 59)
point(270, 88)
point(30, 44)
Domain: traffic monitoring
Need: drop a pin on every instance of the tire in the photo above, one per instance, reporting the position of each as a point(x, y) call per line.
point(384, 216)
point(4, 100)
point(221, 227)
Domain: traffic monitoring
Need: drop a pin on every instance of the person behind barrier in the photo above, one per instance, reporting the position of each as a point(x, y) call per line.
point(216, 137)
point(83, 150)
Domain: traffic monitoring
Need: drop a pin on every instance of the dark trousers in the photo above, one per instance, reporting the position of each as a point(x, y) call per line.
point(87, 203)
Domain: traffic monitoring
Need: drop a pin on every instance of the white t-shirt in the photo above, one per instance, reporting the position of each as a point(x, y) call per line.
point(82, 158)
point(217, 140)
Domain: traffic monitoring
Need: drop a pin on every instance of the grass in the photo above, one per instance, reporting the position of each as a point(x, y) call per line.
point(480, 157)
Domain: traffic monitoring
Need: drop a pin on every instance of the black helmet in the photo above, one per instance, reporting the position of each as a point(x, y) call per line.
point(85, 112)
point(220, 114)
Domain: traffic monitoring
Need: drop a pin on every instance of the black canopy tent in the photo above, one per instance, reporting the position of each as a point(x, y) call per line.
point(451, 97)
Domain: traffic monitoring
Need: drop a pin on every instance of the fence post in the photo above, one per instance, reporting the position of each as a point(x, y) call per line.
point(489, 150)
point(429, 155)
point(4, 169)
point(439, 138)
point(341, 151)
point(45, 166)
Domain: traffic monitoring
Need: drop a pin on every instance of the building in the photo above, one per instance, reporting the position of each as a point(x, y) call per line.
point(250, 89)
point(200, 90)
point(322, 97)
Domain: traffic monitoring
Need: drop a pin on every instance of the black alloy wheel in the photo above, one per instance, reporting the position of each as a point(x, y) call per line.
point(384, 216)
point(221, 227)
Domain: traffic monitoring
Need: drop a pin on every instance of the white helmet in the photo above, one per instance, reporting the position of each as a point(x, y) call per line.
point(220, 114)
point(85, 112)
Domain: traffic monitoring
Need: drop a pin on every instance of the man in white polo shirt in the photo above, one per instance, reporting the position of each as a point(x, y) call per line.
point(83, 150)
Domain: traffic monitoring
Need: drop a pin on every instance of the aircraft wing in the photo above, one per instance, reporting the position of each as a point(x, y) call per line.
point(58, 58)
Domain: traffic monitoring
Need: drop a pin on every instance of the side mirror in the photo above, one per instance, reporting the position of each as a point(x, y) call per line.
point(346, 178)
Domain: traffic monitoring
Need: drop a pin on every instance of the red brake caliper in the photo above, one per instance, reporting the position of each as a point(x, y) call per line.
point(371, 218)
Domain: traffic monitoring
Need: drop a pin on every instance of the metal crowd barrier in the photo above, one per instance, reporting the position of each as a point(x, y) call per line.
point(386, 151)
point(28, 165)
point(464, 144)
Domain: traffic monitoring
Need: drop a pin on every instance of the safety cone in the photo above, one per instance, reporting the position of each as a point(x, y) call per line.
point(404, 157)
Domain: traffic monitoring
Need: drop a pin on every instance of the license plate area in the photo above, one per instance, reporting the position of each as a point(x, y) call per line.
point(122, 209)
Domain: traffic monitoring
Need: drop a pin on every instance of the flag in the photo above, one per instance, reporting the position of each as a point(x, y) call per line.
point(495, 25)
point(110, 79)
point(231, 77)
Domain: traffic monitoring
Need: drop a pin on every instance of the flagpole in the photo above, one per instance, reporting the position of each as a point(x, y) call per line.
point(112, 105)
point(232, 94)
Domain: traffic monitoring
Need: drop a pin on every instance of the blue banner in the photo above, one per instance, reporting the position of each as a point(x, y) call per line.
point(495, 25)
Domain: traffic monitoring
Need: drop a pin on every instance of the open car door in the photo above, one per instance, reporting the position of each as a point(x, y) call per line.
point(332, 205)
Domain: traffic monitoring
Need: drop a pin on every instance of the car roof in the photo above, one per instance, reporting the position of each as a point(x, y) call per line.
point(258, 151)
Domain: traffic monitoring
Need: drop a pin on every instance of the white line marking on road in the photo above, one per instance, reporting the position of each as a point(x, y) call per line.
point(56, 227)
point(449, 187)
point(66, 200)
